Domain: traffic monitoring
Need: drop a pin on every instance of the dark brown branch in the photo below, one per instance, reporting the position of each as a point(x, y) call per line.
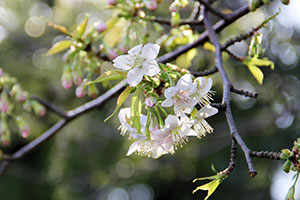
point(233, 155)
point(206, 72)
point(191, 22)
point(72, 114)
point(235, 57)
point(208, 6)
point(226, 95)
point(266, 154)
point(219, 26)
point(219, 106)
point(244, 92)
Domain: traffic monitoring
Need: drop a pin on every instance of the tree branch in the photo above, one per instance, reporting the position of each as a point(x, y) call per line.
point(72, 114)
point(214, 10)
point(206, 72)
point(233, 155)
point(244, 92)
point(226, 95)
point(266, 154)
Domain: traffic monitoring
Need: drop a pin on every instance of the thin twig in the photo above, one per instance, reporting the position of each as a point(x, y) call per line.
point(72, 114)
point(233, 155)
point(244, 92)
point(206, 72)
point(191, 22)
point(226, 95)
point(266, 154)
point(213, 10)
point(219, 106)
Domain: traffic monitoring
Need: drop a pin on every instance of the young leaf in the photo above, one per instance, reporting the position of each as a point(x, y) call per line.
point(136, 109)
point(57, 27)
point(185, 60)
point(59, 46)
point(108, 76)
point(263, 62)
point(209, 46)
point(257, 73)
point(82, 27)
point(123, 96)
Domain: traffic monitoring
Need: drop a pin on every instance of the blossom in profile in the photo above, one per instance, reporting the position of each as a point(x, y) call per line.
point(140, 61)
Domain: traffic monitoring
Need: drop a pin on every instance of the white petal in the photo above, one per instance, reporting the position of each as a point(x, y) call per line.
point(132, 148)
point(134, 76)
point(123, 62)
point(124, 115)
point(135, 51)
point(143, 120)
point(171, 122)
point(138, 136)
point(207, 111)
point(150, 51)
point(190, 132)
point(201, 81)
point(168, 142)
point(151, 68)
point(157, 151)
point(167, 103)
point(170, 92)
point(207, 86)
point(185, 82)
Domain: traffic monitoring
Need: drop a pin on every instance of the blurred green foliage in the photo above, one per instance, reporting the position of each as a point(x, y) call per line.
point(86, 160)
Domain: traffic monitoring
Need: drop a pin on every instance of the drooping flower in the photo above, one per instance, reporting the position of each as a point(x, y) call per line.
point(140, 61)
point(200, 125)
point(125, 127)
point(203, 92)
point(181, 96)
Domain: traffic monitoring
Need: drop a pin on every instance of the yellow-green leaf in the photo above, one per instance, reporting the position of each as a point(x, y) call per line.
point(123, 96)
point(116, 30)
point(262, 62)
point(108, 76)
point(82, 27)
point(57, 27)
point(257, 73)
point(59, 46)
point(136, 108)
point(185, 60)
point(209, 46)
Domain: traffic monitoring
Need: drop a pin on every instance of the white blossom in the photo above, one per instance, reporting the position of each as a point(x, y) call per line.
point(140, 61)
point(181, 96)
point(200, 125)
point(203, 92)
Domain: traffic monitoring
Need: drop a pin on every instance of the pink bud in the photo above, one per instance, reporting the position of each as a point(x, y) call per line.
point(77, 79)
point(151, 5)
point(25, 132)
point(150, 102)
point(4, 106)
point(111, 2)
point(80, 92)
point(21, 97)
point(42, 112)
point(173, 8)
point(1, 72)
point(124, 49)
point(112, 54)
point(67, 84)
point(101, 27)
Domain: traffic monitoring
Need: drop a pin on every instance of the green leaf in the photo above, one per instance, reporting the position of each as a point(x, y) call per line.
point(59, 46)
point(257, 73)
point(263, 62)
point(82, 27)
point(287, 166)
point(57, 27)
point(209, 46)
point(175, 19)
point(185, 60)
point(136, 109)
point(123, 96)
point(108, 76)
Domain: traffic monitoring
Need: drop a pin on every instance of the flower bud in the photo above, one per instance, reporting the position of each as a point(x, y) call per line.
point(100, 27)
point(112, 54)
point(150, 102)
point(111, 2)
point(1, 72)
point(24, 128)
point(18, 93)
point(80, 91)
point(124, 49)
point(151, 5)
point(76, 72)
point(66, 78)
point(27, 106)
point(4, 104)
point(38, 108)
point(173, 8)
point(92, 91)
point(4, 131)
point(287, 166)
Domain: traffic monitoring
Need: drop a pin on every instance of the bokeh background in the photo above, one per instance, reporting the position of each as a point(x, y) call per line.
point(87, 159)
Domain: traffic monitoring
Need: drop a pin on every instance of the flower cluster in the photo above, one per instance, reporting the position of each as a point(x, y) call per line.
point(172, 114)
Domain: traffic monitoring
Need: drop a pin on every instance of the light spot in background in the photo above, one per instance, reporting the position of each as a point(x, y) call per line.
point(3, 33)
point(140, 191)
point(241, 101)
point(281, 182)
point(41, 61)
point(239, 48)
point(290, 15)
point(35, 27)
point(41, 9)
point(287, 55)
point(125, 168)
point(118, 194)
point(284, 120)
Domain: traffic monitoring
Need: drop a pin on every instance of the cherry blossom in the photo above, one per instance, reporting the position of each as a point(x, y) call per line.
point(140, 61)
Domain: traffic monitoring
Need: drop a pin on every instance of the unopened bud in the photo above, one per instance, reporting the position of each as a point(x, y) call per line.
point(4, 104)
point(66, 78)
point(112, 54)
point(76, 72)
point(111, 2)
point(100, 27)
point(151, 5)
point(92, 91)
point(150, 102)
point(24, 128)
point(38, 108)
point(80, 91)
point(1, 72)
